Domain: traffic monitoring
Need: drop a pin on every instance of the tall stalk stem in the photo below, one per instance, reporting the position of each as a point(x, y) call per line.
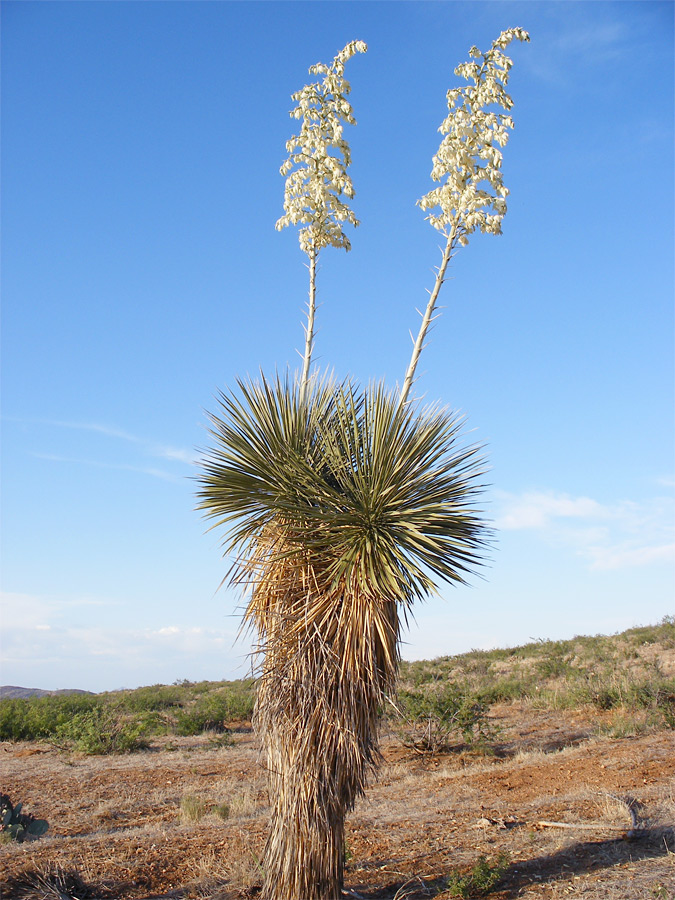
point(309, 330)
point(428, 315)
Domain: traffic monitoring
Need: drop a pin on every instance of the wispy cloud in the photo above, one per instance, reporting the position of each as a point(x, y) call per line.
point(127, 644)
point(144, 470)
point(591, 41)
point(28, 611)
point(151, 448)
point(576, 43)
point(609, 536)
point(184, 456)
point(107, 430)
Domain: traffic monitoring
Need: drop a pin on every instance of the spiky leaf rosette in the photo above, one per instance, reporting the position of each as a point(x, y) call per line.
point(380, 494)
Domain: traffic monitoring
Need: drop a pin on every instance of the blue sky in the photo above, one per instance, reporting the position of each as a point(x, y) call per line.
point(142, 273)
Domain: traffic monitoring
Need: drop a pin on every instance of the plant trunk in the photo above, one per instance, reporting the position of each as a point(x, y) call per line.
point(324, 678)
point(304, 856)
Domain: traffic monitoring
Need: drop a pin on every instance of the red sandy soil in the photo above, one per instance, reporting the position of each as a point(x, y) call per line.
point(116, 829)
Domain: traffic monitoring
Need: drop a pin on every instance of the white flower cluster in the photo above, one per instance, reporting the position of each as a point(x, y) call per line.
point(318, 158)
point(469, 158)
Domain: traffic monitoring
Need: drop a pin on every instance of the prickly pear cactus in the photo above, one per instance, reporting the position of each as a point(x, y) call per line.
point(18, 826)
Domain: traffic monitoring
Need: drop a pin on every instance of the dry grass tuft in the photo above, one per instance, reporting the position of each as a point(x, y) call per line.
point(51, 882)
point(193, 808)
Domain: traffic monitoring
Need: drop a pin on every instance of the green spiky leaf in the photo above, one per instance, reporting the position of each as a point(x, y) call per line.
point(381, 494)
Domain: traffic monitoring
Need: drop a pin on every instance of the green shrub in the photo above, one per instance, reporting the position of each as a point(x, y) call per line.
point(664, 633)
point(554, 665)
point(665, 703)
point(211, 712)
point(481, 880)
point(155, 698)
point(506, 689)
point(102, 731)
point(630, 692)
point(13, 721)
point(427, 720)
point(35, 718)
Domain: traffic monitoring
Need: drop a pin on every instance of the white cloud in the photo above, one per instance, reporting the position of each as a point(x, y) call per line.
point(162, 451)
point(622, 535)
point(537, 510)
point(604, 558)
point(107, 430)
point(44, 645)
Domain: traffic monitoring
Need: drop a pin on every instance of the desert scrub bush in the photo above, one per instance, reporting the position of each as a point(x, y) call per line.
point(222, 810)
point(155, 698)
point(663, 633)
point(480, 881)
point(185, 709)
point(554, 665)
point(14, 725)
point(36, 718)
point(584, 671)
point(240, 699)
point(195, 688)
point(665, 703)
point(423, 672)
point(476, 673)
point(210, 712)
point(641, 691)
point(507, 689)
point(622, 725)
point(426, 721)
point(102, 731)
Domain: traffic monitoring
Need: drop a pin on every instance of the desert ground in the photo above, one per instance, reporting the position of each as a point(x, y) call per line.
point(566, 790)
point(579, 813)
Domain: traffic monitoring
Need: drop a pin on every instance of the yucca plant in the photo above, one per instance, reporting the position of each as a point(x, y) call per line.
point(341, 507)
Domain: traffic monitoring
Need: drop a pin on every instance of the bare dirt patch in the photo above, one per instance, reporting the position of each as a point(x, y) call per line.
point(578, 815)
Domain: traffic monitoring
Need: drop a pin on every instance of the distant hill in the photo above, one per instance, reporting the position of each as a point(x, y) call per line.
point(10, 692)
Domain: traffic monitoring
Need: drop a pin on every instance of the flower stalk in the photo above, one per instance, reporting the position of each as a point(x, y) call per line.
point(317, 182)
point(468, 165)
point(428, 316)
point(309, 328)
